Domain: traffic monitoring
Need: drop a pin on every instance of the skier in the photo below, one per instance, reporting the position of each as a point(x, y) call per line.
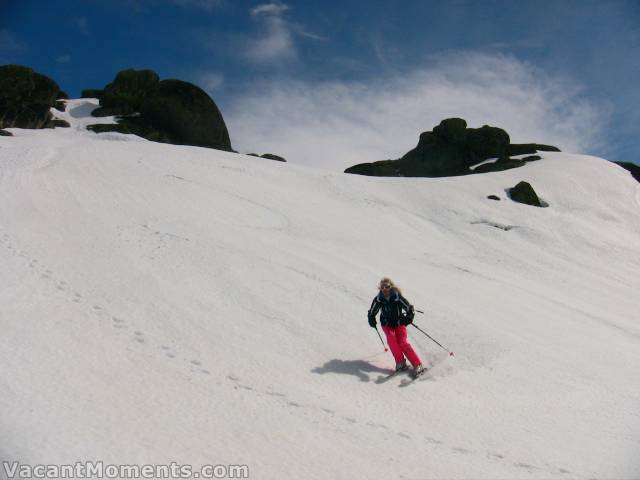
point(394, 324)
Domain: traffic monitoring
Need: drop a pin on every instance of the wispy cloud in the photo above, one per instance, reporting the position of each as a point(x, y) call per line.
point(9, 42)
point(276, 42)
point(338, 124)
point(275, 9)
point(209, 81)
point(81, 24)
point(64, 59)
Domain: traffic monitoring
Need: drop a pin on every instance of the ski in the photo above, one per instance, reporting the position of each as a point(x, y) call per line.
point(413, 378)
point(386, 378)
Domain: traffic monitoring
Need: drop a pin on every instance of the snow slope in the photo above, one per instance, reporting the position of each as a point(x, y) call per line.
point(168, 303)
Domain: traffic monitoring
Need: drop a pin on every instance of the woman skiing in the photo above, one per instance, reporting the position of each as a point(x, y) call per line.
point(394, 324)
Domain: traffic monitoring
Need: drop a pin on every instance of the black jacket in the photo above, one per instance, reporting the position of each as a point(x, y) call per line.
point(392, 309)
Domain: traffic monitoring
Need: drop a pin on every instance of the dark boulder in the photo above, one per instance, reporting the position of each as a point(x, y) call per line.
point(186, 114)
point(168, 111)
point(523, 192)
point(134, 125)
point(26, 98)
point(488, 142)
point(4, 133)
point(452, 130)
point(382, 168)
point(499, 165)
point(126, 94)
point(56, 122)
point(493, 197)
point(529, 149)
point(91, 94)
point(271, 156)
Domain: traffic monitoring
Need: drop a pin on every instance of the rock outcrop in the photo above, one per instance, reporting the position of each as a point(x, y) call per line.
point(632, 168)
point(168, 111)
point(453, 149)
point(26, 98)
point(523, 192)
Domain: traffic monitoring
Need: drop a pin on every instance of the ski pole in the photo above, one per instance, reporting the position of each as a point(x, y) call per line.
point(381, 341)
point(450, 353)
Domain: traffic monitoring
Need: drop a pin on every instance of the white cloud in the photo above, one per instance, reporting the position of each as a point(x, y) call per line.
point(338, 124)
point(269, 9)
point(63, 59)
point(209, 81)
point(276, 43)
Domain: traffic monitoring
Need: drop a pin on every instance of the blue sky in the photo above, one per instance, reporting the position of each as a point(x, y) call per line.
point(336, 83)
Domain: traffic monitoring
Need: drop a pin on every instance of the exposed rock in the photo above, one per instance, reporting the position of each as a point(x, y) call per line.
point(91, 94)
point(60, 106)
point(4, 133)
point(26, 98)
point(523, 192)
point(532, 158)
point(451, 130)
point(56, 122)
point(382, 168)
point(488, 142)
point(127, 92)
point(271, 156)
point(168, 111)
point(452, 149)
point(493, 197)
point(134, 125)
point(186, 114)
point(631, 167)
point(529, 148)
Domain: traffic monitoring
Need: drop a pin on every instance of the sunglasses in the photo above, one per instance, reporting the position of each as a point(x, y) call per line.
point(384, 287)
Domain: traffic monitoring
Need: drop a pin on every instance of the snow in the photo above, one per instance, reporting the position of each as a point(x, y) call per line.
point(169, 303)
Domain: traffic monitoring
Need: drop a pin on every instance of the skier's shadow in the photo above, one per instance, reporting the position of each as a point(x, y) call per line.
point(357, 368)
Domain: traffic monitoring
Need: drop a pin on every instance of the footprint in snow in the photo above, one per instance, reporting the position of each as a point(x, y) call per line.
point(461, 450)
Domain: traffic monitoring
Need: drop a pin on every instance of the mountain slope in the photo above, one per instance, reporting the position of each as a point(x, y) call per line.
point(166, 303)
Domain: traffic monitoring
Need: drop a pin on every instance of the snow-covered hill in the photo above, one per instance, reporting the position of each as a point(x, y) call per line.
point(165, 303)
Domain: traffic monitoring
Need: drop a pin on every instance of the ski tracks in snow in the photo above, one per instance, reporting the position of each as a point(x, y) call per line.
point(319, 416)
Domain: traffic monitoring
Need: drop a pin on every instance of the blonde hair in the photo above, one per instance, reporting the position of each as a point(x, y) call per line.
point(388, 281)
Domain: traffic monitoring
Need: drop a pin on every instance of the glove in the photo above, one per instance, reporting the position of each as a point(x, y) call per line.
point(372, 322)
point(408, 318)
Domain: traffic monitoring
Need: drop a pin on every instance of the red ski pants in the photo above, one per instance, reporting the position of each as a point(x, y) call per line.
point(397, 341)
